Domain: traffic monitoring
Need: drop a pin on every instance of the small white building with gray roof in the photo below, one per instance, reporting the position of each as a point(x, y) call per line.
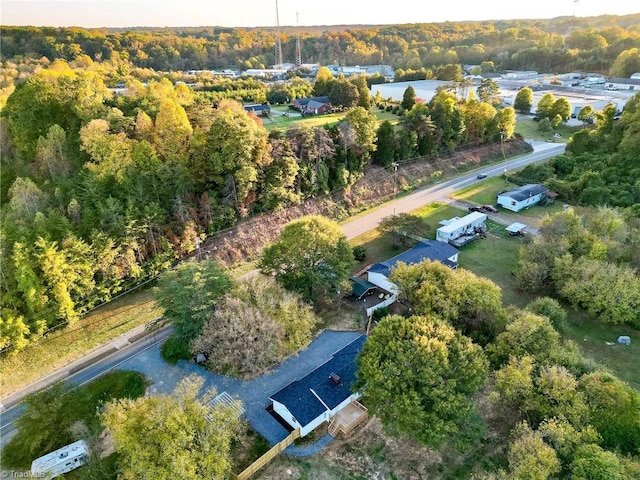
point(522, 197)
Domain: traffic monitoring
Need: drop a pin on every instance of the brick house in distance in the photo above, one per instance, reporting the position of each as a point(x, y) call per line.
point(312, 105)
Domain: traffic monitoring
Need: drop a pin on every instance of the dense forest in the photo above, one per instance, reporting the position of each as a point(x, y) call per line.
point(102, 191)
point(557, 45)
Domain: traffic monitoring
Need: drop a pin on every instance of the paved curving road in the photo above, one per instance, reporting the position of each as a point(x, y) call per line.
point(92, 366)
point(541, 151)
point(78, 373)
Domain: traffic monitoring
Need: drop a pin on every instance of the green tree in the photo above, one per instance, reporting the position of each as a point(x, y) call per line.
point(489, 91)
point(586, 114)
point(323, 82)
point(417, 121)
point(364, 125)
point(530, 458)
point(545, 125)
point(364, 96)
point(178, 436)
point(602, 288)
point(408, 98)
point(506, 122)
point(479, 120)
point(565, 438)
point(385, 144)
point(561, 107)
point(189, 293)
point(26, 199)
point(527, 334)
point(14, 332)
point(311, 255)
point(416, 375)
point(278, 94)
point(172, 131)
point(254, 327)
point(234, 152)
point(470, 303)
point(614, 410)
point(524, 100)
point(626, 64)
point(545, 106)
point(591, 462)
point(403, 227)
point(110, 152)
point(550, 308)
point(344, 94)
point(52, 157)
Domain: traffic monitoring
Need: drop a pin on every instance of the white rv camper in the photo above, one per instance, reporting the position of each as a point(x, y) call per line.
point(61, 461)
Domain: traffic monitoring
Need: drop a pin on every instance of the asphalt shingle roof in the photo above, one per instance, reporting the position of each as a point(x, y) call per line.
point(299, 397)
point(525, 191)
point(434, 251)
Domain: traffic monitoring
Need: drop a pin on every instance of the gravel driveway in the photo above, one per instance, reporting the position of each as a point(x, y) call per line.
point(254, 393)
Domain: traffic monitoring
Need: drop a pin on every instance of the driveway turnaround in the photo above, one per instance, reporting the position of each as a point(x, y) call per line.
point(255, 393)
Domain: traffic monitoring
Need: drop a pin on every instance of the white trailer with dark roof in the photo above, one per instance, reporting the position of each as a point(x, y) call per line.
point(522, 197)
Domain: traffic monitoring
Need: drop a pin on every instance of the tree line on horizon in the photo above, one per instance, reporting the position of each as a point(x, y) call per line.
point(598, 44)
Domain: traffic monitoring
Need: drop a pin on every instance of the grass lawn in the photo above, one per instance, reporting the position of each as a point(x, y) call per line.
point(277, 120)
point(494, 257)
point(383, 115)
point(528, 128)
point(50, 415)
point(97, 328)
point(485, 192)
point(592, 335)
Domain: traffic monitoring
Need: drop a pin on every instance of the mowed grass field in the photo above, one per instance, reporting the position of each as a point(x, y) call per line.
point(495, 257)
point(278, 120)
point(528, 128)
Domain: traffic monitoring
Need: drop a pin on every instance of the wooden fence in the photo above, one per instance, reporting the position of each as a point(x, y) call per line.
point(267, 457)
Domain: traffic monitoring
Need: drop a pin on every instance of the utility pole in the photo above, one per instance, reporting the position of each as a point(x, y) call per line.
point(298, 47)
point(278, 40)
point(506, 179)
point(395, 175)
point(395, 184)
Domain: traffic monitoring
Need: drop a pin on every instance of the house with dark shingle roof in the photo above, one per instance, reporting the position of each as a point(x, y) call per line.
point(317, 397)
point(522, 197)
point(259, 109)
point(441, 252)
point(312, 105)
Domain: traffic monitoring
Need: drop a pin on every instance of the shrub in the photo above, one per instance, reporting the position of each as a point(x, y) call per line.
point(174, 349)
point(550, 308)
point(359, 253)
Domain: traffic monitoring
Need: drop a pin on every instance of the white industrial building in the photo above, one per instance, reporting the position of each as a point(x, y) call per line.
point(61, 461)
point(461, 226)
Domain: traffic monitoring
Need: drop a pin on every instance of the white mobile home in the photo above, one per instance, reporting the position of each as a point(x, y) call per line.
point(61, 461)
point(522, 197)
point(460, 226)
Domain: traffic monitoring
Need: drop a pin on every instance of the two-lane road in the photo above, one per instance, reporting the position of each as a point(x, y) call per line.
point(363, 224)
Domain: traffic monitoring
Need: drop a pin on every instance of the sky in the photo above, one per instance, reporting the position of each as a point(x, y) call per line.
point(254, 13)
